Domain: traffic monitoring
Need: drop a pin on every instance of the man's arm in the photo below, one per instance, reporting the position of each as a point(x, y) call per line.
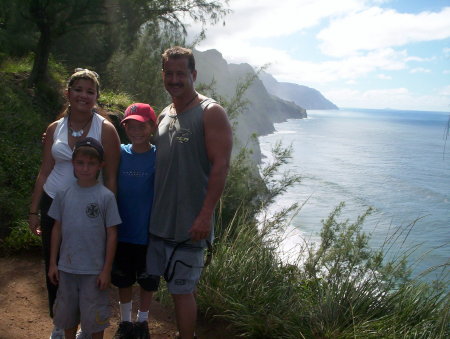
point(219, 142)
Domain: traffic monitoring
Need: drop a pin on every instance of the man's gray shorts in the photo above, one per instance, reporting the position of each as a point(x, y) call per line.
point(184, 269)
point(79, 300)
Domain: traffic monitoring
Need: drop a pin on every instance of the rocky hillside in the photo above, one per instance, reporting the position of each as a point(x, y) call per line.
point(303, 96)
point(263, 109)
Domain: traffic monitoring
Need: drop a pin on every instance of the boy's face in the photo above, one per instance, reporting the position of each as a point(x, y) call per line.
point(139, 132)
point(86, 168)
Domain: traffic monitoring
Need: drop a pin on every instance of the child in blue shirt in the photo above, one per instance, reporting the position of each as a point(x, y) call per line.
point(135, 197)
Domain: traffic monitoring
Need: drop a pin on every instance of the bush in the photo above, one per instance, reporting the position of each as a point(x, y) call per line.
point(21, 127)
point(20, 238)
point(338, 289)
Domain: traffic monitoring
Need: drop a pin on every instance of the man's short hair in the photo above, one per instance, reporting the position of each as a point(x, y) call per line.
point(178, 52)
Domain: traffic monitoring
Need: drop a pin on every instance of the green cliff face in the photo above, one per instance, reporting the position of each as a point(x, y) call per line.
point(304, 96)
point(263, 109)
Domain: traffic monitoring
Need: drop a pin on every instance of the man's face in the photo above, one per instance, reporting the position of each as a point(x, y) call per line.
point(178, 78)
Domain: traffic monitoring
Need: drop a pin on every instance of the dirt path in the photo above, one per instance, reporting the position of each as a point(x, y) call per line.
point(24, 310)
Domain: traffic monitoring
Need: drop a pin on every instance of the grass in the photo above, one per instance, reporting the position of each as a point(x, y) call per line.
point(339, 289)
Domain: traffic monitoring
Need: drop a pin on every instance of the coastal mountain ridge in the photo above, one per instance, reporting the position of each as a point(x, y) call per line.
point(263, 109)
point(306, 97)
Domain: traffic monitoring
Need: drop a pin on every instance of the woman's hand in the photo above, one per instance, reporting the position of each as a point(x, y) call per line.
point(34, 223)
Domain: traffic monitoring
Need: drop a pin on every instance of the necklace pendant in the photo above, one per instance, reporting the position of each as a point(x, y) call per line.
point(76, 134)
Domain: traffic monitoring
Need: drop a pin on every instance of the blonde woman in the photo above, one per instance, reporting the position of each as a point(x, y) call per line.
point(79, 120)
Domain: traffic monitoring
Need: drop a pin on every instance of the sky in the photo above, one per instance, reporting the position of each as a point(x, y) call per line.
point(357, 53)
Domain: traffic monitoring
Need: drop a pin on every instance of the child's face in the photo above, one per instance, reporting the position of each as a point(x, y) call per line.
point(138, 132)
point(86, 168)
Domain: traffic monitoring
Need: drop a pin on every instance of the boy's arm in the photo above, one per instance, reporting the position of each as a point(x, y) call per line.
point(54, 250)
point(111, 243)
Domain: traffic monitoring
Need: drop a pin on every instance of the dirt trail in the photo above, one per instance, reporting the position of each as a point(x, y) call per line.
point(24, 310)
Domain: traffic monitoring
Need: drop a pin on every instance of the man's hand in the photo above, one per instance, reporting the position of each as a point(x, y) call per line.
point(201, 227)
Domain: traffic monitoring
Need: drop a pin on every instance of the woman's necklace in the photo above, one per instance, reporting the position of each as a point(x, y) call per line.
point(80, 132)
point(186, 105)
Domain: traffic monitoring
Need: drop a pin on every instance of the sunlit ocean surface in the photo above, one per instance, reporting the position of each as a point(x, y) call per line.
point(394, 161)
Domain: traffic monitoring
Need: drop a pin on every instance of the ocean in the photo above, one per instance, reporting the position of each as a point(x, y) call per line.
point(396, 162)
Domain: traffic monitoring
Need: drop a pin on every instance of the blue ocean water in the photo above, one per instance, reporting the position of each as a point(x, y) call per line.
point(394, 161)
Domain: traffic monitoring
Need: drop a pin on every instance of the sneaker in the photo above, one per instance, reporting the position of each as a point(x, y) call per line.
point(124, 331)
point(82, 335)
point(57, 333)
point(141, 330)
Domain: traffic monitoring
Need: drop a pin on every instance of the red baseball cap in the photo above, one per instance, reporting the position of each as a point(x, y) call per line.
point(140, 112)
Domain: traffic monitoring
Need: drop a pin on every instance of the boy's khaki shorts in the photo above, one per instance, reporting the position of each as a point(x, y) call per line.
point(79, 300)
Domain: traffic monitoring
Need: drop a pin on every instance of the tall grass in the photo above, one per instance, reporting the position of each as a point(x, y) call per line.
point(338, 289)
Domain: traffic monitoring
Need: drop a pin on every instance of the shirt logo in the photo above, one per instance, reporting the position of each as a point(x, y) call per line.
point(92, 210)
point(183, 135)
point(180, 282)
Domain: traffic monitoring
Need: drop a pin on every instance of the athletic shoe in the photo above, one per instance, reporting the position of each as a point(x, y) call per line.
point(124, 331)
point(141, 330)
point(57, 333)
point(82, 335)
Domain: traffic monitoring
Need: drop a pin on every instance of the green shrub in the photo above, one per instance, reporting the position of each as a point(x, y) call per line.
point(339, 288)
point(343, 295)
point(21, 127)
point(20, 238)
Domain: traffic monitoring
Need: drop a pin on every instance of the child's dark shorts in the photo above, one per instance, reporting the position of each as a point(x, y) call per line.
point(129, 267)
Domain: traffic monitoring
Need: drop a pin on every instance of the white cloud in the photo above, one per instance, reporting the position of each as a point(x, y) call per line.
point(420, 70)
point(252, 19)
point(358, 40)
point(345, 69)
point(419, 59)
point(376, 28)
point(446, 92)
point(390, 98)
point(446, 71)
point(384, 77)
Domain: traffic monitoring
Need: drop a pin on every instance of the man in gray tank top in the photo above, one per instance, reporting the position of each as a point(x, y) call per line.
point(194, 141)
